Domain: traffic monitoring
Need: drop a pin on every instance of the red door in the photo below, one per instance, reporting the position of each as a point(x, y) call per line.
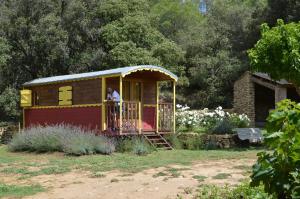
point(149, 117)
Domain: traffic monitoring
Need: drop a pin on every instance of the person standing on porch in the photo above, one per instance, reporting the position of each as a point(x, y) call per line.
point(114, 96)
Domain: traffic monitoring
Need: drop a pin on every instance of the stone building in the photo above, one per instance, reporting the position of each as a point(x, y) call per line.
point(255, 94)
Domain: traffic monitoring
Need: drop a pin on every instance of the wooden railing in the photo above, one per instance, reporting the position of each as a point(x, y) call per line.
point(165, 117)
point(131, 114)
point(131, 117)
point(112, 116)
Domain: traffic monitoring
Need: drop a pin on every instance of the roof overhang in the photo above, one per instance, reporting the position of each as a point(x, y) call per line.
point(106, 73)
point(151, 69)
point(266, 77)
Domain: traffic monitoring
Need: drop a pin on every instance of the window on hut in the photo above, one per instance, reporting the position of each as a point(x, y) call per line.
point(65, 95)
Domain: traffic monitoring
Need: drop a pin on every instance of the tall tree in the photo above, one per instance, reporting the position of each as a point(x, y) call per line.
point(47, 38)
point(278, 52)
point(54, 37)
point(4, 57)
point(174, 18)
point(131, 39)
point(207, 51)
point(269, 11)
point(287, 10)
point(9, 105)
point(216, 52)
point(4, 51)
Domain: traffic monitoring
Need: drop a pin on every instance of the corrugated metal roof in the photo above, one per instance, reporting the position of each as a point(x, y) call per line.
point(267, 77)
point(118, 71)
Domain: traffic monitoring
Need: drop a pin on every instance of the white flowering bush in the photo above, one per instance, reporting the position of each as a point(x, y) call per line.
point(186, 118)
point(239, 121)
point(191, 120)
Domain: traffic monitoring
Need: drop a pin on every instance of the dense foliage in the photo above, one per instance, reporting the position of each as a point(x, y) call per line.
point(68, 139)
point(9, 103)
point(288, 10)
point(207, 51)
point(278, 52)
point(278, 168)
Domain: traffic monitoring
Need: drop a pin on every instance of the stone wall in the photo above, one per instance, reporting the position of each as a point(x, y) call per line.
point(221, 141)
point(244, 96)
point(280, 93)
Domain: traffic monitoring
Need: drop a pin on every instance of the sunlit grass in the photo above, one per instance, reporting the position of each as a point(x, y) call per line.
point(19, 191)
point(221, 176)
point(58, 163)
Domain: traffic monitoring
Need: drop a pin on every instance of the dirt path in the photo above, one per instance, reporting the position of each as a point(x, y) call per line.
point(164, 182)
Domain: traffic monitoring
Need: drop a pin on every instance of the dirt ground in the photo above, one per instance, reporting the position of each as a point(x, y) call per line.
point(158, 183)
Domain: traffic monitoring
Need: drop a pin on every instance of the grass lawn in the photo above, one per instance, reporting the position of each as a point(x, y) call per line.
point(117, 161)
point(26, 165)
point(19, 191)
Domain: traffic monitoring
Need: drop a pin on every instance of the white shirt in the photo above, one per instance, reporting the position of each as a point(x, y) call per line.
point(114, 96)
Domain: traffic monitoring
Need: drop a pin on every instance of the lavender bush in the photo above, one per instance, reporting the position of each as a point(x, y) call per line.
point(63, 138)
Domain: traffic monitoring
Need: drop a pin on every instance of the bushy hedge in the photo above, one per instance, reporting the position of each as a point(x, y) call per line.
point(63, 138)
point(135, 145)
point(191, 141)
point(222, 127)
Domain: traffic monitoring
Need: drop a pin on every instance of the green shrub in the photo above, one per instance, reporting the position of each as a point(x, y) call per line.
point(135, 145)
point(200, 130)
point(104, 146)
point(63, 138)
point(5, 124)
point(80, 145)
point(223, 127)
point(278, 169)
point(9, 104)
point(174, 141)
point(211, 145)
point(191, 141)
point(124, 144)
point(239, 121)
point(243, 191)
point(140, 147)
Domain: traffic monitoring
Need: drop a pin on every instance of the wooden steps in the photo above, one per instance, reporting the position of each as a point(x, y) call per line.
point(157, 141)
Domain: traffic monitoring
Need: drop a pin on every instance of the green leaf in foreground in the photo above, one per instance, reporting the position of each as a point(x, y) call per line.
point(278, 169)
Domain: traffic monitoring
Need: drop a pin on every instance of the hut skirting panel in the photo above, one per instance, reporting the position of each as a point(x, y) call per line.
point(85, 117)
point(149, 118)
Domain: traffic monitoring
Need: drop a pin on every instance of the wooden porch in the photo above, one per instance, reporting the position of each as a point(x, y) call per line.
point(128, 120)
point(141, 109)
